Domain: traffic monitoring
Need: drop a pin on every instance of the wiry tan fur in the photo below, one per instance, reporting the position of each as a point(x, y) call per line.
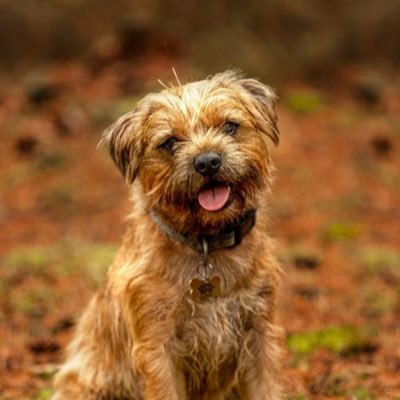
point(142, 336)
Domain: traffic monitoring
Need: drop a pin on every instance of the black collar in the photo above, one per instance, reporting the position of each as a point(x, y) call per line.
point(230, 237)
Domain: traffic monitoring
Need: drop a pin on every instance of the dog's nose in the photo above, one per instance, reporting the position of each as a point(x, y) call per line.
point(207, 164)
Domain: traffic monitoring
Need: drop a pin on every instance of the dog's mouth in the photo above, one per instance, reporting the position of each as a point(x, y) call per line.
point(214, 196)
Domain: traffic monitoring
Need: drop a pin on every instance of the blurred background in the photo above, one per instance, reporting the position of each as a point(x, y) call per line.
point(68, 68)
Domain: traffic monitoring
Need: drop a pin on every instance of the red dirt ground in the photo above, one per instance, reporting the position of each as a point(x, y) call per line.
point(335, 213)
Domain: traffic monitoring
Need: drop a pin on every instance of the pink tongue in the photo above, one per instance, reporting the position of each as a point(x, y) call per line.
point(214, 198)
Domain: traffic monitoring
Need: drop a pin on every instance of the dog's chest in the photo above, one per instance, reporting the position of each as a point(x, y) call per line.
point(211, 334)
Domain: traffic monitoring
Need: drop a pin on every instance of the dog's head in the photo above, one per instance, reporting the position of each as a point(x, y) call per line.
point(198, 151)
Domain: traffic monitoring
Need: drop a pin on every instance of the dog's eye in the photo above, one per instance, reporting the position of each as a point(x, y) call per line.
point(230, 127)
point(168, 144)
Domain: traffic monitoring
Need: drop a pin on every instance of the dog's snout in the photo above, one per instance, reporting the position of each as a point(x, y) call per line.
point(207, 163)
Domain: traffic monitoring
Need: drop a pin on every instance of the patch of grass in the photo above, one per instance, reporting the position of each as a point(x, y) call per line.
point(44, 394)
point(377, 303)
point(33, 260)
point(70, 257)
point(376, 259)
point(340, 231)
point(46, 375)
point(304, 101)
point(361, 394)
point(338, 340)
point(337, 391)
point(33, 303)
point(88, 259)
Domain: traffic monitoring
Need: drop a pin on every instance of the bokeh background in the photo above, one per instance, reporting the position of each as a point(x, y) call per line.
point(68, 68)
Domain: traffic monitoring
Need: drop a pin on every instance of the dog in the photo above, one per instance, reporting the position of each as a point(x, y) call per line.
point(187, 309)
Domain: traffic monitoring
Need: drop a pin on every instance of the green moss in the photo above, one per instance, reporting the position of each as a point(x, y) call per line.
point(304, 101)
point(46, 375)
point(337, 391)
point(44, 394)
point(376, 259)
point(378, 302)
point(340, 231)
point(32, 260)
point(338, 340)
point(33, 303)
point(88, 259)
point(70, 257)
point(361, 394)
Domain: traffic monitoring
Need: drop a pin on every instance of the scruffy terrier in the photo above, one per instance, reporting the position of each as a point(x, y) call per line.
point(187, 308)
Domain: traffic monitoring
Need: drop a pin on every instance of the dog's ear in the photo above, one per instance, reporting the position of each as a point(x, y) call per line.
point(124, 142)
point(263, 100)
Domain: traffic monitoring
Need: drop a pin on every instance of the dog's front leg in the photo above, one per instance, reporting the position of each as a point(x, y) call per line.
point(152, 308)
point(162, 380)
point(260, 378)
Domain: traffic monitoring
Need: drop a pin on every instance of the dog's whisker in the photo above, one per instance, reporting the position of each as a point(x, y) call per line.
point(176, 77)
point(162, 83)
